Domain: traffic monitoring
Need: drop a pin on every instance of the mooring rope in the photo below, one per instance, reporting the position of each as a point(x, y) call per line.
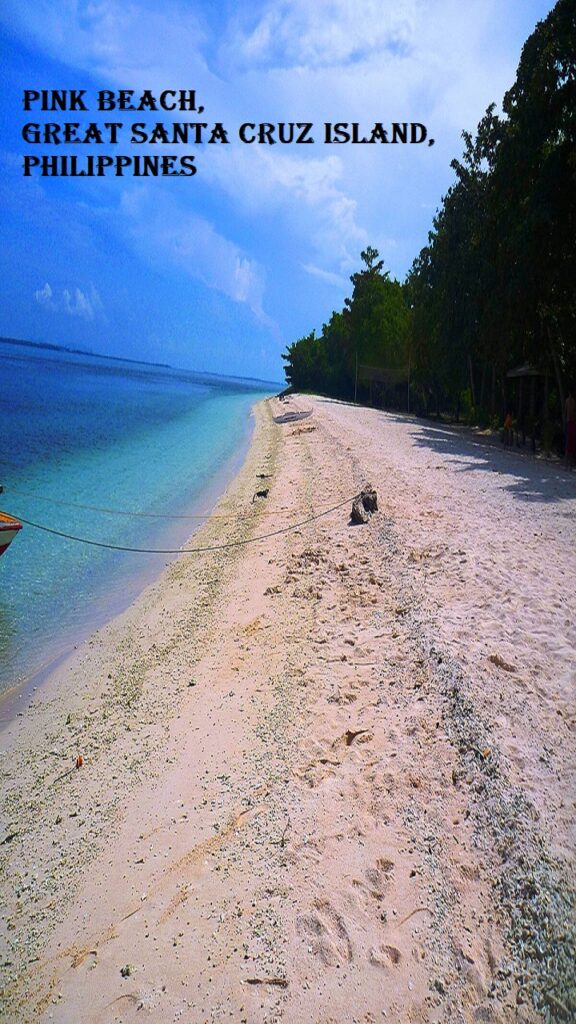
point(125, 512)
point(185, 551)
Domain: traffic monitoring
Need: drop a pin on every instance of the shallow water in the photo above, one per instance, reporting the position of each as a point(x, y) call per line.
point(116, 435)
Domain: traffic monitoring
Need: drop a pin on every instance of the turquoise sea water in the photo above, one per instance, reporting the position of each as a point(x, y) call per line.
point(111, 434)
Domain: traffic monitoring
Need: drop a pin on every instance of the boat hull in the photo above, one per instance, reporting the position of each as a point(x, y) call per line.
point(9, 527)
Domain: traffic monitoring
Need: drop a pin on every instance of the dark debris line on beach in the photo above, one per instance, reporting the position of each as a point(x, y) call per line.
point(530, 884)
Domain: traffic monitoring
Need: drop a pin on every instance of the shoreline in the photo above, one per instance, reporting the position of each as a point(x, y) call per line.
point(321, 773)
point(13, 699)
point(42, 684)
point(46, 725)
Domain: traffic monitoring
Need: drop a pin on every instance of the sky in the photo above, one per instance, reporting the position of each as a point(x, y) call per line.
point(222, 269)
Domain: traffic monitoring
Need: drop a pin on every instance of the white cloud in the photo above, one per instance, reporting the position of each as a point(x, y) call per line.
point(436, 61)
point(163, 231)
point(110, 37)
point(78, 303)
point(327, 32)
point(305, 194)
point(44, 297)
point(74, 302)
point(326, 275)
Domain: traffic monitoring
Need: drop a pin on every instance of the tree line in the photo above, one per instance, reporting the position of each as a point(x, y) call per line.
point(493, 293)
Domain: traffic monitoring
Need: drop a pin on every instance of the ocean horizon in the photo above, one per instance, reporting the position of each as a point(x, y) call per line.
point(83, 433)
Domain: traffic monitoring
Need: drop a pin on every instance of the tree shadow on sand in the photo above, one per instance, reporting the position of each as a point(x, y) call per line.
point(530, 479)
point(533, 480)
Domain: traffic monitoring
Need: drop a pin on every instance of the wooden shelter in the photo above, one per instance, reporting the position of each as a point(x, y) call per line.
point(387, 378)
point(526, 378)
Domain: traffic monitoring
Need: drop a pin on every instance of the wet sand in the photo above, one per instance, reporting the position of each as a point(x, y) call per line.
point(326, 776)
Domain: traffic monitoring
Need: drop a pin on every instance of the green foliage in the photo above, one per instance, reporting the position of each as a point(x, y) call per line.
point(306, 363)
point(372, 330)
point(533, 192)
point(495, 287)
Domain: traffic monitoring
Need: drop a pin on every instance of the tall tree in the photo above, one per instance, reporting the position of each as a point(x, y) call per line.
point(534, 189)
point(377, 316)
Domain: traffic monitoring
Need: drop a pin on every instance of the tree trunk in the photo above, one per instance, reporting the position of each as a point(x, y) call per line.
point(558, 375)
point(483, 386)
point(472, 388)
point(493, 391)
point(545, 431)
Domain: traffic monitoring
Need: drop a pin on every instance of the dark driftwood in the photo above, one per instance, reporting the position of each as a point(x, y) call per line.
point(363, 505)
point(369, 498)
point(358, 514)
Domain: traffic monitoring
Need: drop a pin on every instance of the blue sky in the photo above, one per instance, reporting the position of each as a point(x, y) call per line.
point(221, 270)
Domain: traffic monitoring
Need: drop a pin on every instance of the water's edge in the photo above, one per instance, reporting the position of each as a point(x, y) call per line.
point(14, 699)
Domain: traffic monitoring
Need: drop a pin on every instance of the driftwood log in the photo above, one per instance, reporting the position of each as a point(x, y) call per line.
point(363, 505)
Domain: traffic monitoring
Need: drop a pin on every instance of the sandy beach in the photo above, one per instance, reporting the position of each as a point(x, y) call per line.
point(326, 776)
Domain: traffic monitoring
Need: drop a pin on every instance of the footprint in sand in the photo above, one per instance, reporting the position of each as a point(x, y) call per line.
point(378, 878)
point(319, 770)
point(323, 766)
point(326, 932)
point(385, 956)
point(342, 697)
point(353, 737)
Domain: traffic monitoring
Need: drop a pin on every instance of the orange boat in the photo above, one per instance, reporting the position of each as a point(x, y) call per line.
point(9, 527)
